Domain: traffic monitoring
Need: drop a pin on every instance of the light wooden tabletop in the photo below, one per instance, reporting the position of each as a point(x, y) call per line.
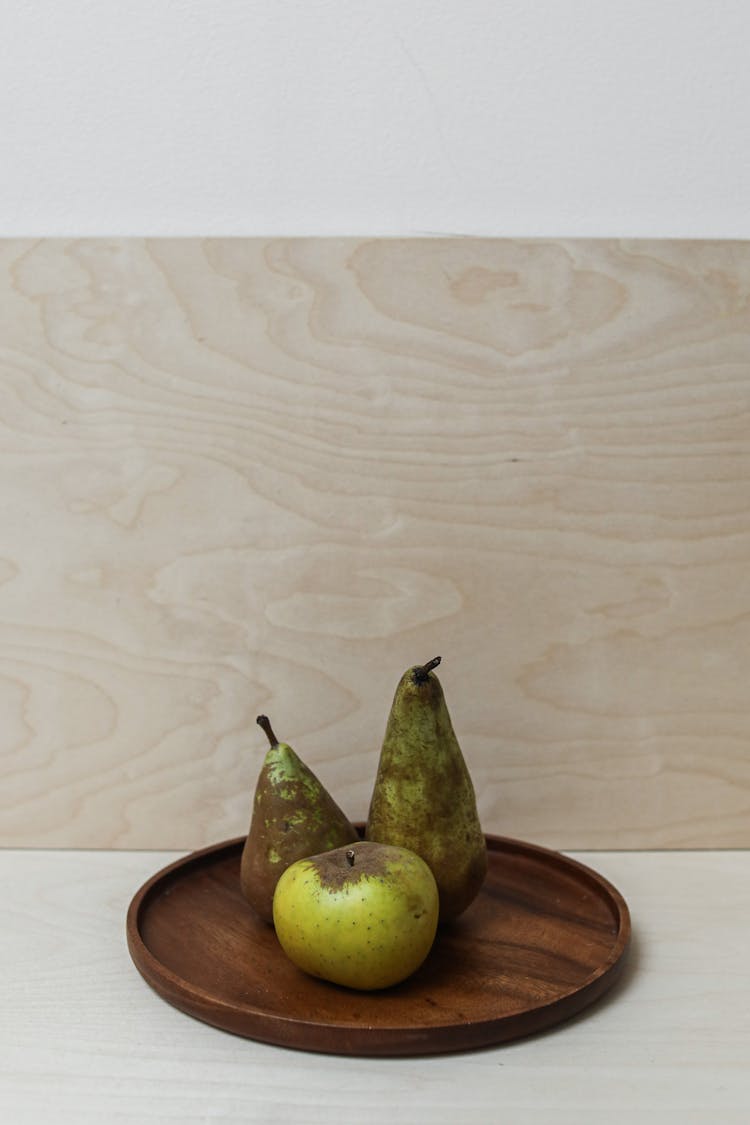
point(83, 1039)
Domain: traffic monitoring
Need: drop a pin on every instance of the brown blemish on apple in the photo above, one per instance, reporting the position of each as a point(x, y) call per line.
point(347, 866)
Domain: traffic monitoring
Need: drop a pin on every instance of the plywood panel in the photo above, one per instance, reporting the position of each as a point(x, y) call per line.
point(245, 475)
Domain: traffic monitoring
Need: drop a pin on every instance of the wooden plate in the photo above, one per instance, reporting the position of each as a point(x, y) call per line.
point(545, 937)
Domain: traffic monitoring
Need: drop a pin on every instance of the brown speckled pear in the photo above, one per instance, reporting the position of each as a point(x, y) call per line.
point(423, 798)
point(293, 817)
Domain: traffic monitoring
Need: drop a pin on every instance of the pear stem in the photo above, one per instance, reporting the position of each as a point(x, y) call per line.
point(421, 674)
point(350, 857)
point(264, 722)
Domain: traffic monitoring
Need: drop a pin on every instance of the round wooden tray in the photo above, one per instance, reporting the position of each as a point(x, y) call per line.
point(545, 938)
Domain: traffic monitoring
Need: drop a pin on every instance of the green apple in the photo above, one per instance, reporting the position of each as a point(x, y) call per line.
point(364, 915)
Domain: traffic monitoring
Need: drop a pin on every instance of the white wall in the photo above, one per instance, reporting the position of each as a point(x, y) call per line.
point(575, 117)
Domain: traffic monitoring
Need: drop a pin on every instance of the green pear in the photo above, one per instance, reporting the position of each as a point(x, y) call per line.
point(423, 798)
point(293, 816)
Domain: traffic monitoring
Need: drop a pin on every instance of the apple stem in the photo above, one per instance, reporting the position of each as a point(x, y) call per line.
point(421, 674)
point(350, 857)
point(264, 722)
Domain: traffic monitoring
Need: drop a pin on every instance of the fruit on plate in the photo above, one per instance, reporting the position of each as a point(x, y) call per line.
point(423, 797)
point(293, 815)
point(362, 916)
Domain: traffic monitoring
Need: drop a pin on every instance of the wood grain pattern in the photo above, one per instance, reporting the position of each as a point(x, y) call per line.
point(245, 475)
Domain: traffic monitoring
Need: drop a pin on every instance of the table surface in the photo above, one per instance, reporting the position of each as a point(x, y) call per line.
point(83, 1038)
